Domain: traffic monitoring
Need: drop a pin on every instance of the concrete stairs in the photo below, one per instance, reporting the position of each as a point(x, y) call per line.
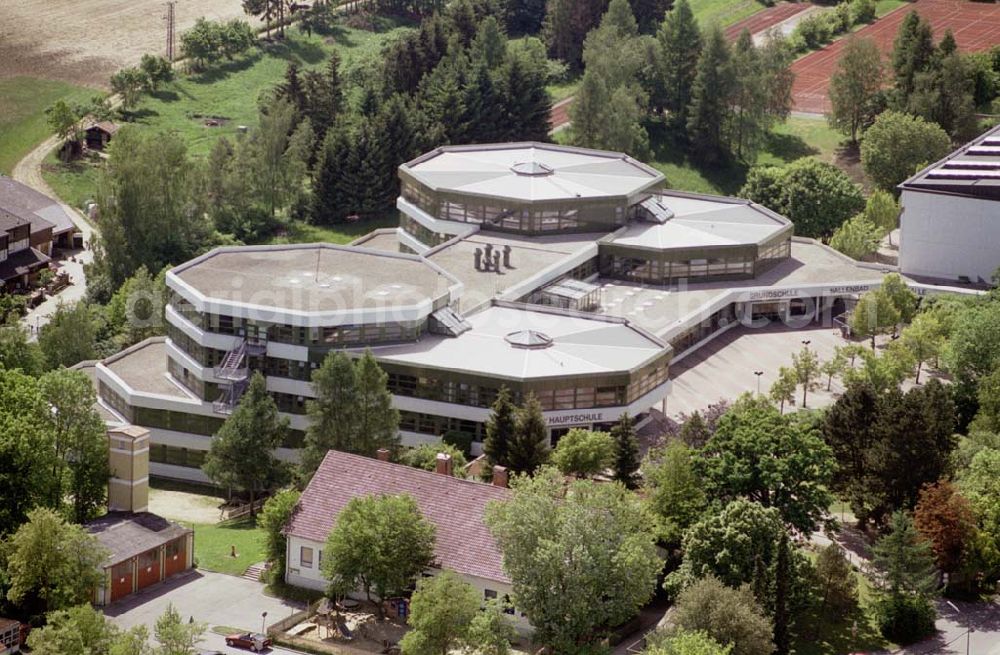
point(254, 572)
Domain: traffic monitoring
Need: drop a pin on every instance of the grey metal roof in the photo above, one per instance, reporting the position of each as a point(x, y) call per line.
point(972, 170)
point(530, 172)
point(36, 208)
point(127, 534)
point(698, 221)
point(504, 340)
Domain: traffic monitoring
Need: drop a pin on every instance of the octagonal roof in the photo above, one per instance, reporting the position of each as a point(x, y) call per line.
point(313, 284)
point(532, 172)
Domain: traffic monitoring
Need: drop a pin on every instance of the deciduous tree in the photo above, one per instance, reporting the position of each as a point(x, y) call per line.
point(272, 519)
point(675, 494)
point(584, 452)
point(778, 461)
point(356, 553)
point(944, 518)
point(441, 613)
point(80, 442)
point(897, 145)
point(591, 542)
point(731, 616)
point(855, 87)
point(52, 564)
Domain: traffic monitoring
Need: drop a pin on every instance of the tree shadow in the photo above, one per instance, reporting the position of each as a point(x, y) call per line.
point(668, 146)
point(219, 72)
point(297, 50)
point(164, 95)
point(142, 115)
point(822, 632)
point(789, 147)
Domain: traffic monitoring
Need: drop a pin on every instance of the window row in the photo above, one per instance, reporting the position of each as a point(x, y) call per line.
point(336, 335)
point(420, 232)
point(187, 457)
point(661, 272)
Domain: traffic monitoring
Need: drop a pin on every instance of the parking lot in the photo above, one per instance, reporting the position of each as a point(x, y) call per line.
point(212, 598)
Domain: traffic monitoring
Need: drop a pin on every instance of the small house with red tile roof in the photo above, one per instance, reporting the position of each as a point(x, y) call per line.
point(454, 506)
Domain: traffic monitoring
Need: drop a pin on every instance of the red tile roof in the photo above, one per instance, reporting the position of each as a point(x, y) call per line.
point(455, 507)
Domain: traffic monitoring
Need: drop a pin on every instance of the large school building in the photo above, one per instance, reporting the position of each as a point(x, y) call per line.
point(565, 273)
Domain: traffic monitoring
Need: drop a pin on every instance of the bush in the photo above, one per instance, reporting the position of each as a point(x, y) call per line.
point(460, 440)
point(862, 11)
point(841, 18)
point(818, 197)
point(904, 619)
point(814, 30)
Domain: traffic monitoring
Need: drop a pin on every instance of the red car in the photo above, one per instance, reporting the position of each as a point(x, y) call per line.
point(251, 640)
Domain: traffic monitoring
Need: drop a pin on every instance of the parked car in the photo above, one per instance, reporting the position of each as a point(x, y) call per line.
point(251, 640)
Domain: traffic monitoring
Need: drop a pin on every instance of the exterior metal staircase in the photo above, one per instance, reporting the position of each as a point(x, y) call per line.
point(233, 369)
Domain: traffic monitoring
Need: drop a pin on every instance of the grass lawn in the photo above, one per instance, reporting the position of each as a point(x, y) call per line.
point(724, 12)
point(229, 93)
point(23, 123)
point(213, 544)
point(74, 182)
point(300, 232)
point(796, 138)
point(563, 90)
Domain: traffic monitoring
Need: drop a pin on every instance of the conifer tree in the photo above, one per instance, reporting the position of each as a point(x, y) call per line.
point(530, 447)
point(292, 89)
point(378, 420)
point(333, 419)
point(627, 453)
point(678, 47)
point(708, 111)
point(500, 429)
point(524, 103)
point(912, 53)
point(242, 452)
point(330, 194)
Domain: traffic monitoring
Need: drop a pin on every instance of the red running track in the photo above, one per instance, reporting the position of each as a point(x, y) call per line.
point(765, 20)
point(976, 26)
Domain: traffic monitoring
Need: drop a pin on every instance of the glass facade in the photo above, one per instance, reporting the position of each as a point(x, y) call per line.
point(336, 335)
point(704, 329)
point(576, 393)
point(668, 266)
point(527, 218)
point(422, 234)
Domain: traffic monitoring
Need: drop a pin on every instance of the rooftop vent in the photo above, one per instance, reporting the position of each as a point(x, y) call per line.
point(531, 169)
point(529, 339)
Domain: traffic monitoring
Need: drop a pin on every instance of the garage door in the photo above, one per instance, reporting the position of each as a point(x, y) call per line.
point(175, 557)
point(149, 568)
point(121, 580)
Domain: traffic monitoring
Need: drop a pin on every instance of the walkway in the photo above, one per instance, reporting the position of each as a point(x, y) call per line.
point(29, 171)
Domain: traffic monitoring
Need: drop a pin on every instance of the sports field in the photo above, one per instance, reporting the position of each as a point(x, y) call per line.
point(976, 26)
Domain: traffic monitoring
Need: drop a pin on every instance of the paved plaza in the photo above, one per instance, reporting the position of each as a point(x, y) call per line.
point(724, 368)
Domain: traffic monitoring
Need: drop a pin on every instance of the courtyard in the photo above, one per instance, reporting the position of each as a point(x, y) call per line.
point(724, 368)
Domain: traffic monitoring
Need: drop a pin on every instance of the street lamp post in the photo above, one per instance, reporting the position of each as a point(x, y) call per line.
point(968, 627)
point(758, 374)
point(263, 617)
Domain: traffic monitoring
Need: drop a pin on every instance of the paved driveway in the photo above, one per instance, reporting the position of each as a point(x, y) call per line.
point(212, 598)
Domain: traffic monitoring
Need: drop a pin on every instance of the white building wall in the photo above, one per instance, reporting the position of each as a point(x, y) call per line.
point(310, 577)
point(947, 236)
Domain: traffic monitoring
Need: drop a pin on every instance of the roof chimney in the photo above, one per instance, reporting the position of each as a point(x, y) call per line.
point(382, 454)
point(500, 477)
point(442, 464)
